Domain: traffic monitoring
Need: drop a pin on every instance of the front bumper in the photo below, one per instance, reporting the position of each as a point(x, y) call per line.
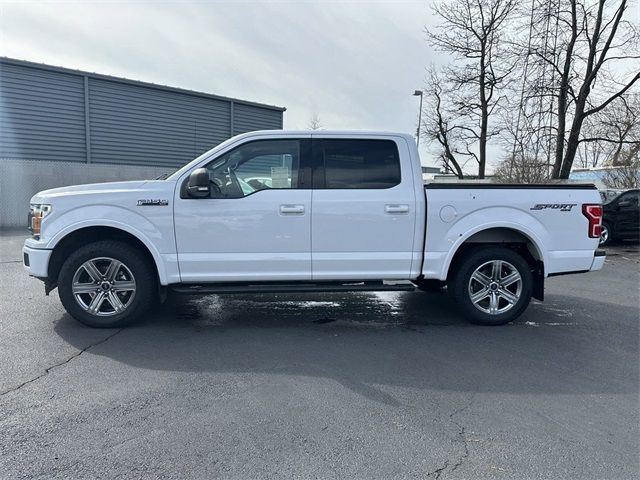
point(598, 260)
point(36, 261)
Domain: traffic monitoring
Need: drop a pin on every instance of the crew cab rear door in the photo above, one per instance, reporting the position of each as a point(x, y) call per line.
point(363, 208)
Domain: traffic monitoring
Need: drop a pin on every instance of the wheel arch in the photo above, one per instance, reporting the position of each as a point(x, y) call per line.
point(84, 235)
point(523, 242)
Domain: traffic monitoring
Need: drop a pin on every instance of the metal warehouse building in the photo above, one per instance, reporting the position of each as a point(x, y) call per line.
point(61, 127)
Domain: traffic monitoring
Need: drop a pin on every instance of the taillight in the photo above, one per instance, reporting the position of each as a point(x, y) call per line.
point(593, 212)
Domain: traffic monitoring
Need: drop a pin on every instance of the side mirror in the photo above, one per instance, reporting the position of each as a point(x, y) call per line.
point(198, 184)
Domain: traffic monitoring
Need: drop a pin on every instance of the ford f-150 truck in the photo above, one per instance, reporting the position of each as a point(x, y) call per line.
point(278, 211)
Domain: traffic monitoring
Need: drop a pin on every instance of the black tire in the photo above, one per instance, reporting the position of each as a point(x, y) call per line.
point(459, 284)
point(606, 226)
point(136, 263)
point(429, 285)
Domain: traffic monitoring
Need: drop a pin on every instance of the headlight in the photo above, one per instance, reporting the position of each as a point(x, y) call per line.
point(36, 213)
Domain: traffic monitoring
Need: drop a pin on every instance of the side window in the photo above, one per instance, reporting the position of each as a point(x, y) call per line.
point(631, 197)
point(372, 164)
point(254, 166)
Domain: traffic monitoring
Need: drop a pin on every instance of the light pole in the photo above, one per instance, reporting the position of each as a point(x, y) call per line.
point(418, 93)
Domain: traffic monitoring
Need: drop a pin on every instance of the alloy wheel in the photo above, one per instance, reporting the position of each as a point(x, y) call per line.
point(604, 234)
point(495, 287)
point(103, 286)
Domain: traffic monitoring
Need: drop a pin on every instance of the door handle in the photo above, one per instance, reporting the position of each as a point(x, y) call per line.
point(396, 209)
point(292, 209)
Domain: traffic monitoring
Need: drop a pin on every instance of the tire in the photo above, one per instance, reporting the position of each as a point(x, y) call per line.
point(429, 285)
point(101, 274)
point(475, 274)
point(606, 237)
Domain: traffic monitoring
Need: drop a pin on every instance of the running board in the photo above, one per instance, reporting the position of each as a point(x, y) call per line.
point(292, 287)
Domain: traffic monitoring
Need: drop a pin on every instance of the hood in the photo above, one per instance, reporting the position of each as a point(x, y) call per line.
point(114, 193)
point(89, 189)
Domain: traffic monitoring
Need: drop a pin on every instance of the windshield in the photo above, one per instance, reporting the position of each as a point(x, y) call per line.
point(208, 153)
point(164, 176)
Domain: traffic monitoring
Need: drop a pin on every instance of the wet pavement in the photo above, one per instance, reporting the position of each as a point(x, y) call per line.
point(387, 385)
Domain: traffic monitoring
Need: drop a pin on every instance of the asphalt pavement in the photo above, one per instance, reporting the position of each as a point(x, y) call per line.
point(388, 385)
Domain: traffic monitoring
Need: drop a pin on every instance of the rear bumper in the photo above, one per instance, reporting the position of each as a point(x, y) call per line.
point(593, 263)
point(598, 260)
point(36, 261)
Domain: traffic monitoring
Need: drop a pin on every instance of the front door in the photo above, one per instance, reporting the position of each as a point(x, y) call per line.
point(257, 225)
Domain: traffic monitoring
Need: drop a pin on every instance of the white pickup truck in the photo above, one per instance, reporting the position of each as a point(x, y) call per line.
point(278, 211)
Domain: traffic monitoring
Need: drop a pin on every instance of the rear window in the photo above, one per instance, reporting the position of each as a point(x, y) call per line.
point(358, 164)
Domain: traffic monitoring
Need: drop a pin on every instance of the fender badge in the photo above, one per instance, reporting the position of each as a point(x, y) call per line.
point(152, 203)
point(563, 207)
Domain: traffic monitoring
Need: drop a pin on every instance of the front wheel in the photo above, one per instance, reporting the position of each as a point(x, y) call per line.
point(106, 284)
point(492, 285)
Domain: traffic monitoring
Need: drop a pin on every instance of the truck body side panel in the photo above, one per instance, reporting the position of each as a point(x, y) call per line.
point(550, 218)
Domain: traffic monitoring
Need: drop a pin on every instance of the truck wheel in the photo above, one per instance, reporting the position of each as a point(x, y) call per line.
point(606, 235)
point(106, 284)
point(492, 285)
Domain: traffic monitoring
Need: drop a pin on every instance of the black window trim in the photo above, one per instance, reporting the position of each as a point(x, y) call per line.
point(318, 167)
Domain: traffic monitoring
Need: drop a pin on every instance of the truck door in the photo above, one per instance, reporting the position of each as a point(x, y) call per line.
point(257, 226)
point(363, 209)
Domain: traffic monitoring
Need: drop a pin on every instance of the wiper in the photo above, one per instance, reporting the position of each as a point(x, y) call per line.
point(164, 176)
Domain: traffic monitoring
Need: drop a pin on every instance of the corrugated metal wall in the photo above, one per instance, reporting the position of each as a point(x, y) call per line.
point(248, 118)
point(50, 113)
point(138, 125)
point(41, 114)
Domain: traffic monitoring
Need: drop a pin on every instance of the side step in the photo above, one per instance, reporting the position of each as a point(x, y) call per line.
point(219, 288)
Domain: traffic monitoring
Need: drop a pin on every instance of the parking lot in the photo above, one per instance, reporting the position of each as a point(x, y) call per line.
point(391, 385)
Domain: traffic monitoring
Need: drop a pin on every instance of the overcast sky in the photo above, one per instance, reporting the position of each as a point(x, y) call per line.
point(356, 64)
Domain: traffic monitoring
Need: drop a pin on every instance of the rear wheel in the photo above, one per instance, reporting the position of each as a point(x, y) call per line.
point(106, 284)
point(492, 285)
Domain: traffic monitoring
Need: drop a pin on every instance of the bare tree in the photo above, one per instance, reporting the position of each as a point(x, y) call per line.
point(472, 31)
point(521, 170)
point(624, 176)
point(314, 122)
point(438, 128)
point(591, 37)
point(623, 141)
point(612, 136)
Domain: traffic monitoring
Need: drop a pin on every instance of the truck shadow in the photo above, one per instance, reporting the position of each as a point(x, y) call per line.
point(366, 341)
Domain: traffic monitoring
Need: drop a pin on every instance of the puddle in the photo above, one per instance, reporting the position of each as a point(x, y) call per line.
point(321, 321)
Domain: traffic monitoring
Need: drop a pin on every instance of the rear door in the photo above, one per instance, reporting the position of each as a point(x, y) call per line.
point(363, 208)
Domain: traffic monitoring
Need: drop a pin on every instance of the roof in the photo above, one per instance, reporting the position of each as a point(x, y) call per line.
point(360, 133)
point(52, 68)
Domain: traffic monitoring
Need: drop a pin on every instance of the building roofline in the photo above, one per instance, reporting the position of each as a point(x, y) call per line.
point(71, 71)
